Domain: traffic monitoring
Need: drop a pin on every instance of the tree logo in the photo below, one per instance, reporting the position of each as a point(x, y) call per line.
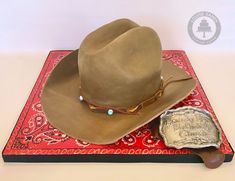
point(204, 27)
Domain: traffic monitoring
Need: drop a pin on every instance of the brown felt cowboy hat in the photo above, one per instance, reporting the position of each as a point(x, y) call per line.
point(113, 85)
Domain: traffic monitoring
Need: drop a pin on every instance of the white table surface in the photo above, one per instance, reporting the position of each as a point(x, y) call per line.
point(18, 73)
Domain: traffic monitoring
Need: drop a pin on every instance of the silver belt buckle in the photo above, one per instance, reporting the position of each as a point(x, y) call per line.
point(189, 127)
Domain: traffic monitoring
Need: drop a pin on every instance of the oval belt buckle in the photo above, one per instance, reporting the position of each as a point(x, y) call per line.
point(189, 127)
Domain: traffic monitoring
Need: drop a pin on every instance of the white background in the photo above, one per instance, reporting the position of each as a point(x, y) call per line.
point(42, 25)
point(29, 29)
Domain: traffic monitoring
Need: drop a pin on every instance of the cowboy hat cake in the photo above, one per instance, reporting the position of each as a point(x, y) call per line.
point(115, 83)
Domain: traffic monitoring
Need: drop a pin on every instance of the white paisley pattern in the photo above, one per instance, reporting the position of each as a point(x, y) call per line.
point(33, 134)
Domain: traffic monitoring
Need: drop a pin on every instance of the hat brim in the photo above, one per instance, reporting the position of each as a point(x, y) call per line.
point(61, 105)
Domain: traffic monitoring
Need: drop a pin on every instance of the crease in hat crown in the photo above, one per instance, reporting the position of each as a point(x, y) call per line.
point(120, 64)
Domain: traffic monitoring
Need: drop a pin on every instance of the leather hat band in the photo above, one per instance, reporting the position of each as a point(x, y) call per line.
point(136, 108)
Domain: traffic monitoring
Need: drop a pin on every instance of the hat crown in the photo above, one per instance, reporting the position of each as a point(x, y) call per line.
point(120, 64)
